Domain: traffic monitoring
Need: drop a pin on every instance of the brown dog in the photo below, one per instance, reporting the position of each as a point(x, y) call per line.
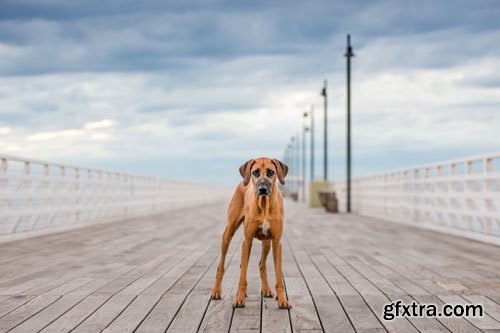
point(258, 204)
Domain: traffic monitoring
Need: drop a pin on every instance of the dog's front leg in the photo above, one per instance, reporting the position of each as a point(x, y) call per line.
point(280, 290)
point(246, 247)
point(266, 247)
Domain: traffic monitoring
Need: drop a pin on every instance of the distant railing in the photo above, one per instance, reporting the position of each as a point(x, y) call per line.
point(458, 197)
point(37, 195)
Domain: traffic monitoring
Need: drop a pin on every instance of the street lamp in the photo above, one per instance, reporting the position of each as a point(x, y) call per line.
point(305, 129)
point(324, 93)
point(286, 159)
point(292, 165)
point(297, 174)
point(349, 54)
point(307, 114)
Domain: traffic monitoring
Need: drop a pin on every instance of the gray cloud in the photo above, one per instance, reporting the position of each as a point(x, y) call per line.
point(91, 36)
point(190, 80)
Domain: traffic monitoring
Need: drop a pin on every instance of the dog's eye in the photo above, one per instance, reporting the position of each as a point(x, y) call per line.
point(270, 173)
point(256, 173)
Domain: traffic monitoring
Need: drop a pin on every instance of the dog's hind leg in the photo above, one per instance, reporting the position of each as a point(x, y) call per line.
point(226, 240)
point(266, 247)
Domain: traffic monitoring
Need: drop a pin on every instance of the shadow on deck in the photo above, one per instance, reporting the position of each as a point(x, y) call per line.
point(155, 274)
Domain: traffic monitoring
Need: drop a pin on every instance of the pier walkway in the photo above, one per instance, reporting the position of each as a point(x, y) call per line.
point(155, 274)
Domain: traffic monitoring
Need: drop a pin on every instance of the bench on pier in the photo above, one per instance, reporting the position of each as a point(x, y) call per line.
point(328, 199)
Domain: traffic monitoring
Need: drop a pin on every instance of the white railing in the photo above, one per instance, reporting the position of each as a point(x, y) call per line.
point(458, 197)
point(38, 195)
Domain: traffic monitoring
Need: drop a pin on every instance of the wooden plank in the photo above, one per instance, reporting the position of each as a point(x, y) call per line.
point(330, 310)
point(13, 302)
point(101, 279)
point(44, 266)
point(43, 318)
point(339, 284)
point(101, 318)
point(187, 275)
point(248, 319)
point(162, 314)
point(197, 298)
point(360, 314)
point(132, 316)
point(191, 313)
point(406, 281)
point(26, 311)
point(218, 316)
point(136, 285)
point(39, 284)
point(45, 263)
point(219, 312)
point(333, 314)
point(273, 318)
point(130, 312)
point(454, 324)
point(303, 313)
point(375, 278)
point(460, 264)
point(361, 277)
point(74, 316)
point(313, 295)
point(363, 284)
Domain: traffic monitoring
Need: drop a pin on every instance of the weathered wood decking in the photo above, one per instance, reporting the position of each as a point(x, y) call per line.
point(155, 274)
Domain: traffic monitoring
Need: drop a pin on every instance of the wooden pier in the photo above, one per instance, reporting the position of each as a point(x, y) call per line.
point(155, 274)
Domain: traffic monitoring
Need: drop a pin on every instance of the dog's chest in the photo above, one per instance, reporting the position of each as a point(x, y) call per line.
point(263, 231)
point(264, 227)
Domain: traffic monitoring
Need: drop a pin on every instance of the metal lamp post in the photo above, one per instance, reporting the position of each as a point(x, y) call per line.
point(324, 93)
point(297, 174)
point(349, 54)
point(311, 129)
point(292, 167)
point(312, 142)
point(305, 129)
point(286, 159)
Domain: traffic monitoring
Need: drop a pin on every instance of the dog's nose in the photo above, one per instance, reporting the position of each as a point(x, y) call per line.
point(263, 190)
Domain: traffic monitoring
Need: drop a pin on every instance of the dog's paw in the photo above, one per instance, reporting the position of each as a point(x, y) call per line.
point(216, 293)
point(282, 301)
point(239, 301)
point(267, 293)
point(284, 304)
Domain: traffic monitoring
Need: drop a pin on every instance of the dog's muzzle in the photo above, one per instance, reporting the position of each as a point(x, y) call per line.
point(263, 190)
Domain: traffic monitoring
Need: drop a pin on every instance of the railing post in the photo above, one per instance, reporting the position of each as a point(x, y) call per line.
point(4, 204)
point(46, 187)
point(78, 189)
point(3, 177)
point(487, 168)
point(25, 184)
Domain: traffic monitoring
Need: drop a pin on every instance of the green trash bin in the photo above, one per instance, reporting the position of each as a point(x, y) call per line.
point(314, 188)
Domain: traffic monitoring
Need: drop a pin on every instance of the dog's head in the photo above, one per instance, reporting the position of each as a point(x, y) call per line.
point(263, 173)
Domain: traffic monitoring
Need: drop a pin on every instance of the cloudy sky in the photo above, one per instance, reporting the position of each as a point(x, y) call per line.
point(192, 89)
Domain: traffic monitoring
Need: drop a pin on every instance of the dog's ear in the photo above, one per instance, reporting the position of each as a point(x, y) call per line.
point(245, 171)
point(281, 170)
